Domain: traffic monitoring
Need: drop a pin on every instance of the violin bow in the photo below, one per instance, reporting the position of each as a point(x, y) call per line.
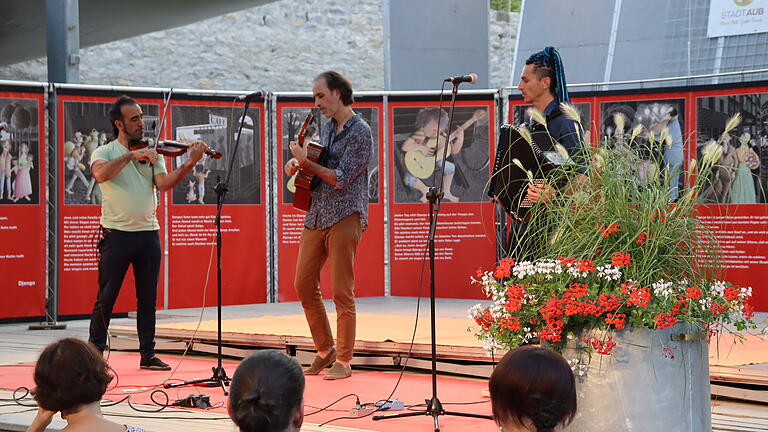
point(166, 105)
point(158, 131)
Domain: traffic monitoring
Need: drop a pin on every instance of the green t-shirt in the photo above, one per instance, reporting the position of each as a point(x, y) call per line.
point(128, 199)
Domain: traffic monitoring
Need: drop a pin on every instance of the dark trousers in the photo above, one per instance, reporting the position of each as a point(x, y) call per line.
point(118, 250)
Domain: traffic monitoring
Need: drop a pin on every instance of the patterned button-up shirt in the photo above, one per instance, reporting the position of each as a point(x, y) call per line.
point(348, 153)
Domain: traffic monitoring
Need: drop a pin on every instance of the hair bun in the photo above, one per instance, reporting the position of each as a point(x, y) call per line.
point(252, 412)
point(545, 414)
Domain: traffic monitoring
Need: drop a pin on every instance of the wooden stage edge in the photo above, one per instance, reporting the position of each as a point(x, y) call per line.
point(304, 343)
point(452, 359)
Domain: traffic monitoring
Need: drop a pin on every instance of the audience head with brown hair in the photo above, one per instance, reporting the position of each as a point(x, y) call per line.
point(267, 394)
point(532, 390)
point(70, 377)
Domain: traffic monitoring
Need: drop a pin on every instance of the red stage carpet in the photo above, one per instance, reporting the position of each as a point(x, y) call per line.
point(369, 386)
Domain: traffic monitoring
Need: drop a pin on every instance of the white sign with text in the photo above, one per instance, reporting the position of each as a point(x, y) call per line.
point(736, 17)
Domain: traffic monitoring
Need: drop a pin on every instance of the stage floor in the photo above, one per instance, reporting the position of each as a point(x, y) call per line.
point(19, 347)
point(385, 327)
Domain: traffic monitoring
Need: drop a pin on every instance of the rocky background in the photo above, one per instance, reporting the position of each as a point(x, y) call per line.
point(279, 46)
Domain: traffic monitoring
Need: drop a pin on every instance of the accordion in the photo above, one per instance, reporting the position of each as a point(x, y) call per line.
point(509, 182)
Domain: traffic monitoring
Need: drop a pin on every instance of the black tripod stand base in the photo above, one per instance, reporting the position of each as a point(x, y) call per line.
point(418, 413)
point(434, 410)
point(219, 379)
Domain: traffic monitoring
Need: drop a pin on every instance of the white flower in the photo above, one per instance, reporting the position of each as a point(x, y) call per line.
point(528, 334)
point(523, 269)
point(577, 367)
point(548, 267)
point(475, 311)
point(609, 272)
point(491, 345)
point(575, 272)
point(662, 288)
point(718, 288)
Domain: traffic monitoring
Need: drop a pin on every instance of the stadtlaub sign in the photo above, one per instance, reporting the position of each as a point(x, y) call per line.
point(736, 17)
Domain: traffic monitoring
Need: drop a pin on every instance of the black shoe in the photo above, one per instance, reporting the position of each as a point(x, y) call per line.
point(154, 363)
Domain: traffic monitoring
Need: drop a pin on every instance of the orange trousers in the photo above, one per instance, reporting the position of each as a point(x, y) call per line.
point(337, 245)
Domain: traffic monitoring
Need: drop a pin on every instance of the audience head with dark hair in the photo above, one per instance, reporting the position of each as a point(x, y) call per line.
point(267, 394)
point(70, 373)
point(532, 390)
point(70, 377)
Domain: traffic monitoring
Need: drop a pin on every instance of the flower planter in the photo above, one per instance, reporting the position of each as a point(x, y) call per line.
point(651, 381)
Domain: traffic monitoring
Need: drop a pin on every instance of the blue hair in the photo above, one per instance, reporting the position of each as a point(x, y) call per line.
point(550, 59)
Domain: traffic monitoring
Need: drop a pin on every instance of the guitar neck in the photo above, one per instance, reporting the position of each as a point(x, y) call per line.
point(469, 122)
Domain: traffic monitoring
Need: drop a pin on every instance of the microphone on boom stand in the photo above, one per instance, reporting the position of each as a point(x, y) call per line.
point(434, 408)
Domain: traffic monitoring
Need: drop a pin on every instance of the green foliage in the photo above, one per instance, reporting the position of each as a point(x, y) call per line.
point(609, 251)
point(506, 5)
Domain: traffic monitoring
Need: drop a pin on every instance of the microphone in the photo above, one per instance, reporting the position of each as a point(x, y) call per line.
point(251, 96)
point(471, 78)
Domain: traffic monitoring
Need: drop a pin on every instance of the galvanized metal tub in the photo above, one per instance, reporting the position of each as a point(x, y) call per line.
point(654, 380)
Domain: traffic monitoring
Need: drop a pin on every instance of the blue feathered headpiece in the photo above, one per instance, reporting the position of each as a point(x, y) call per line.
point(549, 57)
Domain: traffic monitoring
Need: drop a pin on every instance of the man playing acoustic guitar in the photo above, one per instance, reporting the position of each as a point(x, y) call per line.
point(333, 226)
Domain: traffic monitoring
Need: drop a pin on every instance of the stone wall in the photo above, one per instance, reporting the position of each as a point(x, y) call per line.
point(277, 46)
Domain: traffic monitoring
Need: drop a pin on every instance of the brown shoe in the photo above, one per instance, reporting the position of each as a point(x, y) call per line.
point(320, 363)
point(338, 371)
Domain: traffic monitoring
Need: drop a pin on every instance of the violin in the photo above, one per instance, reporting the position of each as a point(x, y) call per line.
point(170, 148)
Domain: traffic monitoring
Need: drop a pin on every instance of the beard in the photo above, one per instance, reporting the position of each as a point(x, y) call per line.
point(135, 135)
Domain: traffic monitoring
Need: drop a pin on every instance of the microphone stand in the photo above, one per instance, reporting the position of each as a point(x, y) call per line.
point(219, 377)
point(434, 408)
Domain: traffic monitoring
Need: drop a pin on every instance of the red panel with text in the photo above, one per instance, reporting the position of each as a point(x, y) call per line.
point(736, 199)
point(465, 237)
point(22, 199)
point(192, 269)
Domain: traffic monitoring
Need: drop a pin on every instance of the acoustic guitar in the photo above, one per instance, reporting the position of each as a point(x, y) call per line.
point(302, 198)
point(423, 166)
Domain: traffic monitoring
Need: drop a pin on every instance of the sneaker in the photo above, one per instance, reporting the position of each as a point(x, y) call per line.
point(338, 371)
point(320, 363)
point(154, 363)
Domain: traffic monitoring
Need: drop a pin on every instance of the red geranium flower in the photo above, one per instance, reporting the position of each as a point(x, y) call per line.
point(607, 230)
point(621, 259)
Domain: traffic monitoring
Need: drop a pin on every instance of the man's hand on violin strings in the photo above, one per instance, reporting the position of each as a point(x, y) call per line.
point(145, 154)
point(197, 150)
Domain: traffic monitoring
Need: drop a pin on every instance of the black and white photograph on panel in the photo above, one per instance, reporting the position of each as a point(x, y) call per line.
point(19, 144)
point(418, 153)
point(87, 127)
point(740, 175)
point(217, 126)
point(293, 118)
point(658, 148)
